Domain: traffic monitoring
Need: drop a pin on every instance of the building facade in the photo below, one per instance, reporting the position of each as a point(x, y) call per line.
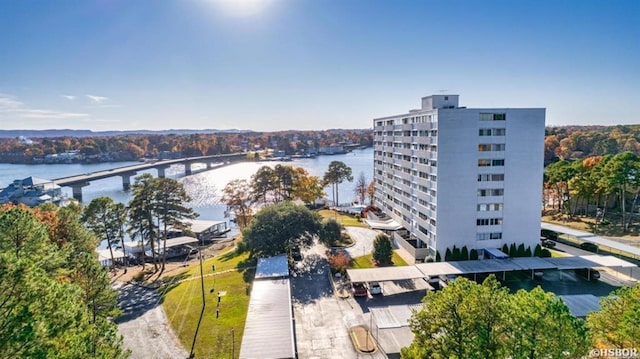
point(458, 176)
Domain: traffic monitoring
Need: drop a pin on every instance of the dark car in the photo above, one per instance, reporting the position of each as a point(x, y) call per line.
point(549, 234)
point(588, 246)
point(359, 289)
point(548, 243)
point(584, 272)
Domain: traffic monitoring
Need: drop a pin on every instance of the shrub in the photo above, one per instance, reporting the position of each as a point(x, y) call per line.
point(545, 253)
point(464, 254)
point(447, 255)
point(438, 258)
point(138, 277)
point(505, 249)
point(513, 251)
point(473, 254)
point(455, 254)
point(537, 252)
point(521, 251)
point(339, 262)
point(382, 250)
point(527, 252)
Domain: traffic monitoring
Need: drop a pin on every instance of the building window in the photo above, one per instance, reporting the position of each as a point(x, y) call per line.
point(484, 163)
point(484, 207)
point(497, 162)
point(489, 221)
point(493, 116)
point(488, 177)
point(490, 192)
point(491, 147)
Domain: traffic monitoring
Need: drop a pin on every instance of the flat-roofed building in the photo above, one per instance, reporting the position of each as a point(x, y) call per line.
point(451, 175)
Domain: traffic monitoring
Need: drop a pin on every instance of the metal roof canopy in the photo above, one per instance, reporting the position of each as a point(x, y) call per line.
point(483, 266)
point(532, 263)
point(268, 331)
point(199, 225)
point(590, 261)
point(272, 267)
point(384, 274)
point(171, 242)
point(581, 304)
point(590, 237)
point(389, 225)
point(104, 254)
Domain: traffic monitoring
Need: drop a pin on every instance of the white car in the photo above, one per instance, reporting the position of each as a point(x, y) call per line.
point(374, 288)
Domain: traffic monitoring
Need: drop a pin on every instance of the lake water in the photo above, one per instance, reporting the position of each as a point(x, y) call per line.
point(205, 188)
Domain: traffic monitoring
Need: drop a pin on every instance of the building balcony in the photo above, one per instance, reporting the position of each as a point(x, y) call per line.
point(402, 238)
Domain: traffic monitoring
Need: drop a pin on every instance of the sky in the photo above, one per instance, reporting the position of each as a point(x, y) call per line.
point(269, 65)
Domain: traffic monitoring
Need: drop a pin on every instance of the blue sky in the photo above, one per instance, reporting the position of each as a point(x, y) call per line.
point(310, 64)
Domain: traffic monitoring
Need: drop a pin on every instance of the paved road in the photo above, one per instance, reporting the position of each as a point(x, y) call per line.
point(144, 325)
point(322, 319)
point(364, 240)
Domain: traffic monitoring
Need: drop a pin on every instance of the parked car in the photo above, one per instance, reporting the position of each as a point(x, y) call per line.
point(549, 234)
point(588, 246)
point(584, 272)
point(374, 288)
point(548, 243)
point(359, 289)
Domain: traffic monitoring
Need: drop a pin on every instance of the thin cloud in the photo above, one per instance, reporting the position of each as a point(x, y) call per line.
point(8, 103)
point(12, 107)
point(98, 99)
point(48, 114)
point(69, 97)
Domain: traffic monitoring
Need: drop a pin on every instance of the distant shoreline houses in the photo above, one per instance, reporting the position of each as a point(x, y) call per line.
point(32, 191)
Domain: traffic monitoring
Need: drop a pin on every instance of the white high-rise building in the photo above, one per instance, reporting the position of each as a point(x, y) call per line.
point(458, 176)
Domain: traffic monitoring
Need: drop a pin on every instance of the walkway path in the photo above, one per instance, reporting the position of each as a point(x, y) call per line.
point(144, 325)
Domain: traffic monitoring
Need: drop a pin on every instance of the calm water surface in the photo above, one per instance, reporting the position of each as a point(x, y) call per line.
point(205, 188)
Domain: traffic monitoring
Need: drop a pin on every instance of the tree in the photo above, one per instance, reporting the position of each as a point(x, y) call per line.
point(98, 217)
point(361, 188)
point(371, 192)
point(238, 197)
point(337, 173)
point(622, 172)
point(461, 321)
point(157, 206)
point(141, 220)
point(277, 228)
point(306, 188)
point(382, 250)
point(617, 323)
point(467, 320)
point(170, 197)
point(539, 325)
point(331, 231)
point(44, 305)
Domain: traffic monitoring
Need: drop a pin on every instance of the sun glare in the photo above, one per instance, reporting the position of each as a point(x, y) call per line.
point(242, 8)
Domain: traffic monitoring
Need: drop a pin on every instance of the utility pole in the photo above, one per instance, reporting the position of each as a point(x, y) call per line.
point(193, 344)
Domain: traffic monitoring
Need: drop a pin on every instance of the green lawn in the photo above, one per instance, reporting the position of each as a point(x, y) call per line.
point(183, 304)
point(344, 219)
point(367, 261)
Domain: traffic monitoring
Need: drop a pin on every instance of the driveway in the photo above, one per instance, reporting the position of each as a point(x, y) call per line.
point(144, 325)
point(322, 319)
point(364, 240)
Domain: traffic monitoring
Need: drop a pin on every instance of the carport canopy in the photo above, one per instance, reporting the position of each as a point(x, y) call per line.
point(427, 270)
point(384, 274)
point(590, 261)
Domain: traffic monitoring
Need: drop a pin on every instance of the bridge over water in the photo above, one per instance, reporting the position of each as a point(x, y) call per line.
point(76, 182)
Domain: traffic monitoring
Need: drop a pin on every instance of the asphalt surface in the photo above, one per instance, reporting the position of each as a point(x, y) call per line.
point(322, 319)
point(144, 325)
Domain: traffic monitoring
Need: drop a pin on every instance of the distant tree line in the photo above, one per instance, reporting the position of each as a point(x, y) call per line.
point(594, 185)
point(579, 142)
point(131, 147)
